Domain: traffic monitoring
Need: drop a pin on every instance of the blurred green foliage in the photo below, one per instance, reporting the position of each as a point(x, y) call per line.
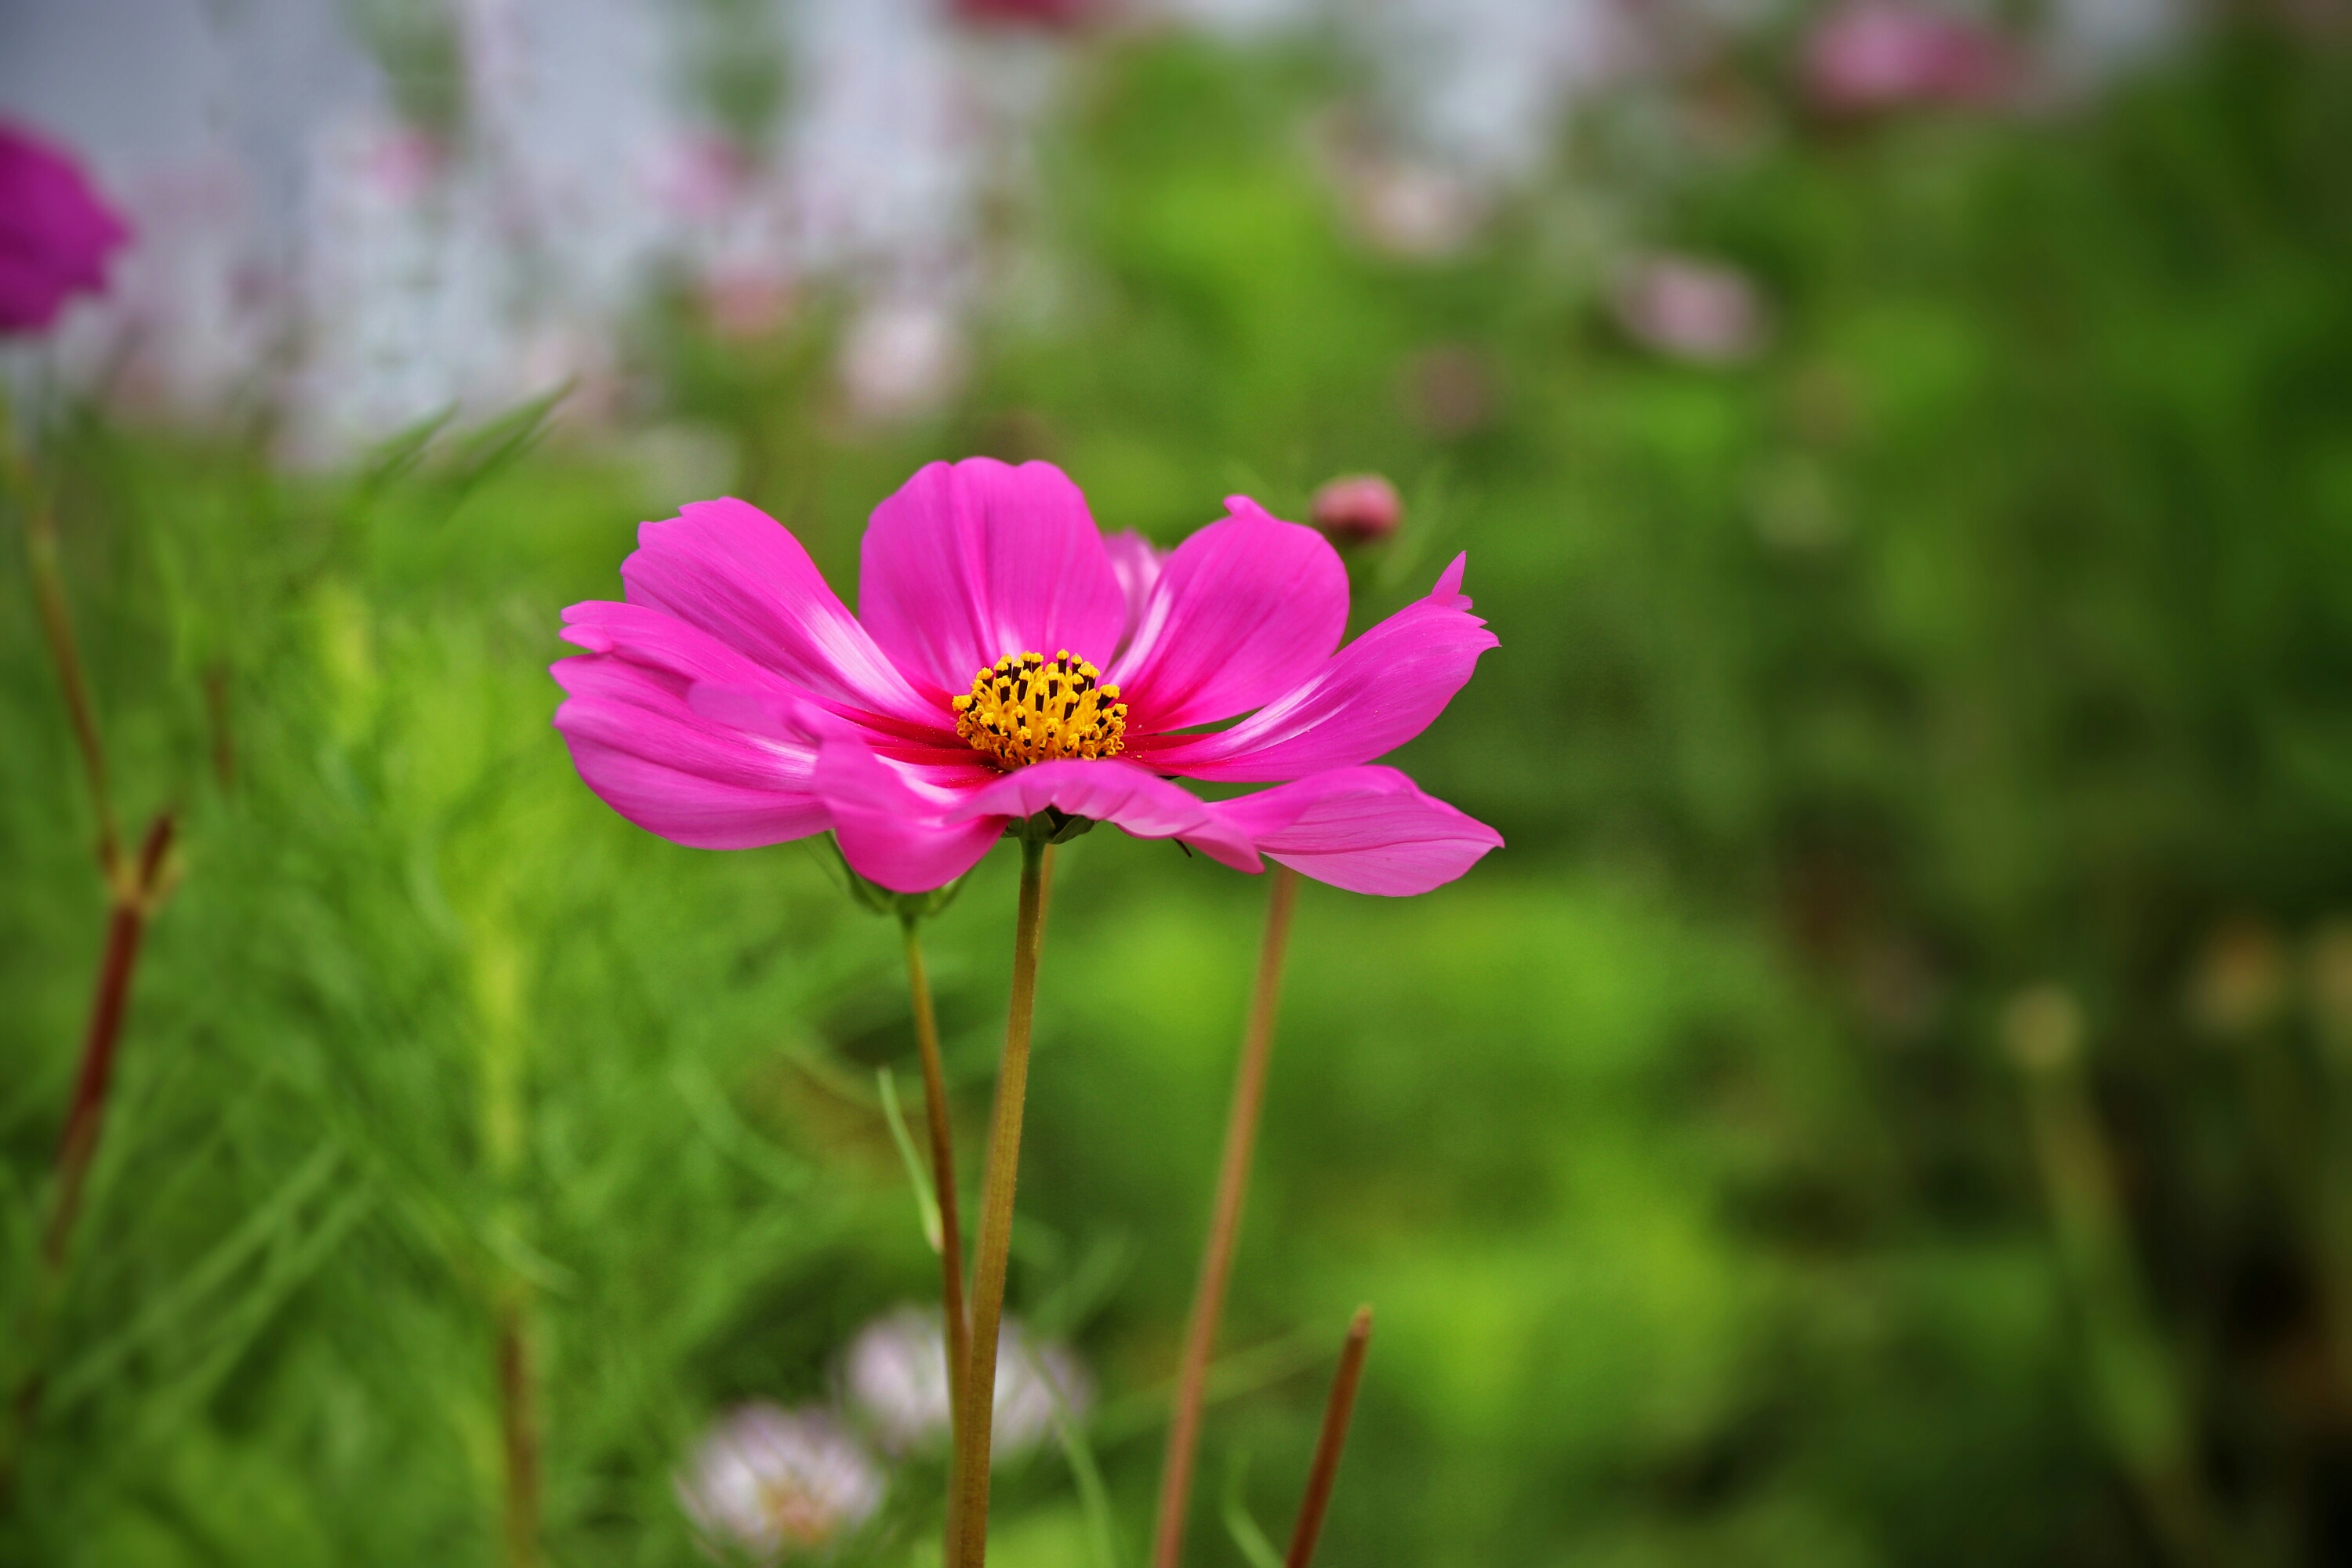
point(1982, 632)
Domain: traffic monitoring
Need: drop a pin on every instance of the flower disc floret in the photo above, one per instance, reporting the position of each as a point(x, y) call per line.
point(1025, 708)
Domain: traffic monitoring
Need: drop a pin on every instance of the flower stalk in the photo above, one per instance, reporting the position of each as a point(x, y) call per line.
point(992, 1246)
point(134, 905)
point(957, 1338)
point(135, 888)
point(57, 629)
point(2134, 1375)
point(1224, 1225)
point(517, 1435)
point(1336, 1412)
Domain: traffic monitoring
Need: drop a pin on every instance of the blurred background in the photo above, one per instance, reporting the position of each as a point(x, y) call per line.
point(1891, 1102)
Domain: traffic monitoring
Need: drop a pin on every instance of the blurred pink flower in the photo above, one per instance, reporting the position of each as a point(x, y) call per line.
point(732, 701)
point(745, 299)
point(1885, 54)
point(772, 1481)
point(1690, 309)
point(402, 162)
point(701, 178)
point(1047, 13)
point(56, 233)
point(1358, 509)
point(896, 1378)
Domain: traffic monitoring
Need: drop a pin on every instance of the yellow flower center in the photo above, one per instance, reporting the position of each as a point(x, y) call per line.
point(1024, 708)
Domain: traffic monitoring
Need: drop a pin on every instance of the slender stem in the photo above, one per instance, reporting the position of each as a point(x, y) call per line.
point(519, 1435)
point(1325, 1467)
point(86, 1118)
point(1224, 1225)
point(2134, 1374)
point(57, 627)
point(943, 1178)
point(134, 904)
point(994, 1246)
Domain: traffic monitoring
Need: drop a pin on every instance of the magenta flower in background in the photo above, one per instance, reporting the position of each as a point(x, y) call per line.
point(1008, 661)
point(55, 232)
point(1880, 54)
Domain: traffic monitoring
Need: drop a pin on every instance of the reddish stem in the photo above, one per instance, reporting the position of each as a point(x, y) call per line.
point(1224, 1225)
point(1325, 1467)
point(86, 1119)
point(56, 627)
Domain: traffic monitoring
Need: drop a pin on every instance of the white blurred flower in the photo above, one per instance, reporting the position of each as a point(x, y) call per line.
point(902, 357)
point(1691, 308)
point(775, 1481)
point(896, 1374)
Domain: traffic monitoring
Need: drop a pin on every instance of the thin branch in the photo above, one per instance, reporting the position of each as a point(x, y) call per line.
point(1324, 1470)
point(1224, 1225)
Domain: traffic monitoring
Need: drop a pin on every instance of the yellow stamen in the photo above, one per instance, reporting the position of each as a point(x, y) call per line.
point(1026, 709)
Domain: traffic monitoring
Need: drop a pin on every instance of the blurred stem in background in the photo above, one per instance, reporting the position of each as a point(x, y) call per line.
point(992, 1246)
point(1324, 1472)
point(957, 1338)
point(496, 964)
point(135, 891)
point(2330, 980)
point(2135, 1380)
point(1225, 1224)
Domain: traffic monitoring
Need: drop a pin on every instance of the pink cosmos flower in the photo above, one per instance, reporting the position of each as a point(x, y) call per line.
point(55, 231)
point(1885, 54)
point(1008, 661)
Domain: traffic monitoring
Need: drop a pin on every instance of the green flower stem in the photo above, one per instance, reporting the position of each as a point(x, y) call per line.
point(518, 1431)
point(994, 1246)
point(944, 1178)
point(1324, 1470)
point(1224, 1225)
point(2134, 1375)
point(57, 630)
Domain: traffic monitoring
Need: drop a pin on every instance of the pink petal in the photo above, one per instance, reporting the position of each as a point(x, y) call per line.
point(891, 830)
point(1242, 612)
point(728, 568)
point(1143, 803)
point(1136, 562)
point(1373, 696)
point(675, 773)
point(972, 560)
point(1369, 830)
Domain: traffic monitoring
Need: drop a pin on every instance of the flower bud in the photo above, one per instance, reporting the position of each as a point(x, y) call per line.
point(1358, 509)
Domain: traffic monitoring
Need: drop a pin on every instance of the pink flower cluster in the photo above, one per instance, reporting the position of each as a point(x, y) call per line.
point(1008, 661)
